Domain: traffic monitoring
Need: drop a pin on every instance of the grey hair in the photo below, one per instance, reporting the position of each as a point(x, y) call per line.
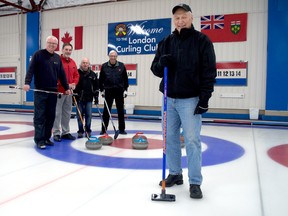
point(51, 37)
point(113, 51)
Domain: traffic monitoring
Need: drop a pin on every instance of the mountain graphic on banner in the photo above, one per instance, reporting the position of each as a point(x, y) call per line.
point(73, 36)
point(225, 27)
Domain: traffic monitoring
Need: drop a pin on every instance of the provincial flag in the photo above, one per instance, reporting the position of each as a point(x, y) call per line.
point(72, 35)
point(225, 27)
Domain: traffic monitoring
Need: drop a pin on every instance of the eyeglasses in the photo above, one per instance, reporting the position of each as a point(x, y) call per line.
point(52, 43)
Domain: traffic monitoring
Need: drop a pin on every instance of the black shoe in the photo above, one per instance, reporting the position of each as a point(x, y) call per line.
point(102, 133)
point(122, 132)
point(195, 191)
point(57, 138)
point(41, 145)
point(80, 135)
point(173, 179)
point(49, 142)
point(68, 137)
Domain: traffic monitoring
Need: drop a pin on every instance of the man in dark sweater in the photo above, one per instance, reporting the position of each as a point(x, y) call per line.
point(47, 69)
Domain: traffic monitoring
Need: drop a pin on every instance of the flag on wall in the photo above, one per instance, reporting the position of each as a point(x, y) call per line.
point(73, 36)
point(225, 27)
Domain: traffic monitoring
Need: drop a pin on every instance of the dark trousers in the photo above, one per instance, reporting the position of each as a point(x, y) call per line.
point(44, 115)
point(110, 95)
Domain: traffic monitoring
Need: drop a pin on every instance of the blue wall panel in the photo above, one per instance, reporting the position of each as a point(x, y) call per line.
point(277, 56)
point(32, 43)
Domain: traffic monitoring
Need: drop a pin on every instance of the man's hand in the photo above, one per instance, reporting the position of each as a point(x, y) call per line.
point(103, 93)
point(72, 86)
point(26, 87)
point(202, 107)
point(124, 94)
point(166, 60)
point(68, 92)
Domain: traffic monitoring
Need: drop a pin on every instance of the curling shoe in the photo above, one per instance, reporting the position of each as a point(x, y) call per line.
point(41, 145)
point(123, 132)
point(57, 138)
point(68, 137)
point(195, 191)
point(173, 179)
point(49, 142)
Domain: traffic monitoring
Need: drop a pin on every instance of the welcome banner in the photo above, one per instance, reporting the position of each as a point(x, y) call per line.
point(137, 37)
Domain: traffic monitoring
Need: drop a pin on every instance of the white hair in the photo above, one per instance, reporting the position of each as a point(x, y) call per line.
point(51, 37)
point(113, 51)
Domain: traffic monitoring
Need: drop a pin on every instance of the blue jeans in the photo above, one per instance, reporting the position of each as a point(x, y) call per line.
point(180, 113)
point(86, 113)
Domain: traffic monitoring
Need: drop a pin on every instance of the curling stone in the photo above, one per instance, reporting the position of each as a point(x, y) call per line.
point(139, 141)
point(182, 140)
point(106, 139)
point(93, 143)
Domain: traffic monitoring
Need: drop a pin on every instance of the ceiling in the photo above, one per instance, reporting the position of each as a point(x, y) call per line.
point(10, 7)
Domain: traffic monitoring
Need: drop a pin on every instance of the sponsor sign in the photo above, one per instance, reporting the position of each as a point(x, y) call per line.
point(231, 74)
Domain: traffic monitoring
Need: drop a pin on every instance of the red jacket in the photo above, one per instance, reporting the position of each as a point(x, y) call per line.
point(71, 72)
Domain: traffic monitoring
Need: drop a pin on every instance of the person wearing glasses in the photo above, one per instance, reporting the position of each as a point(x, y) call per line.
point(46, 68)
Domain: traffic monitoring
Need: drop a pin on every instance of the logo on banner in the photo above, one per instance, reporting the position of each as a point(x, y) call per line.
point(73, 36)
point(121, 30)
point(225, 28)
point(137, 37)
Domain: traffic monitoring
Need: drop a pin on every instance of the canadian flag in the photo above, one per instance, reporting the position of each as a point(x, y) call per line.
point(69, 36)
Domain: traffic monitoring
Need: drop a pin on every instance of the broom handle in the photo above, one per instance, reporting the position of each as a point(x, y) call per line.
point(164, 130)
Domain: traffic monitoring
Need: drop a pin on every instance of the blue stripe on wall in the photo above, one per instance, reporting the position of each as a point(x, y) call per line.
point(32, 44)
point(277, 56)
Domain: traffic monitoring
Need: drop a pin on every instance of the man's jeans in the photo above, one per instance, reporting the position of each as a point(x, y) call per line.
point(180, 113)
point(85, 109)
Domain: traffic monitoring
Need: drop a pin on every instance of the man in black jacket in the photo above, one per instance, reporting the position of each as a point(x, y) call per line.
point(113, 83)
point(189, 56)
point(87, 90)
point(46, 67)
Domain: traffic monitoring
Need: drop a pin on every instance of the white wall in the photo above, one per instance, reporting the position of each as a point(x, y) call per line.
point(95, 19)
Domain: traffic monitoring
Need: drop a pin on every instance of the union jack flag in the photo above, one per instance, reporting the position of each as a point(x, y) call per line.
point(212, 22)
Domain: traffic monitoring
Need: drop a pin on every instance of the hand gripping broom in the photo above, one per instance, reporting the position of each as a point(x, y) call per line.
point(163, 196)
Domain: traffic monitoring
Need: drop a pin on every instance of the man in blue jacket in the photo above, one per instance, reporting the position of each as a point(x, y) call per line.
point(189, 56)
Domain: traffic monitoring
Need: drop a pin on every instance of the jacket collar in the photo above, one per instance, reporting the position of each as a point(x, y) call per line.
point(65, 59)
point(184, 32)
point(110, 65)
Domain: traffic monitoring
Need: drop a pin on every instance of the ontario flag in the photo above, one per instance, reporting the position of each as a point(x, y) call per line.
point(73, 36)
point(225, 28)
